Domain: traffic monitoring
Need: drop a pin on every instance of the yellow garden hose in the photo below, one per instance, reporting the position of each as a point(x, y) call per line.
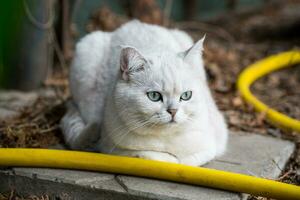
point(169, 171)
point(148, 168)
point(259, 69)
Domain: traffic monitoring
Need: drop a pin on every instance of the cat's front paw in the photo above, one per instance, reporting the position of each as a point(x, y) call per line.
point(198, 159)
point(159, 156)
point(191, 161)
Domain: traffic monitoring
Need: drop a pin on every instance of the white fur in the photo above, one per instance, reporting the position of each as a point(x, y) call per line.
point(109, 79)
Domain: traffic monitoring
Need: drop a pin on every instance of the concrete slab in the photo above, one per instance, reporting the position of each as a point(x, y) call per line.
point(25, 186)
point(82, 178)
point(172, 191)
point(11, 102)
point(247, 153)
point(256, 155)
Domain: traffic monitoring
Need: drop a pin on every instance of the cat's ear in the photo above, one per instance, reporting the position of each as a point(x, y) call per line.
point(131, 61)
point(193, 52)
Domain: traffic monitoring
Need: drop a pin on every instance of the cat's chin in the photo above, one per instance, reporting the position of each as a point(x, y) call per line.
point(172, 122)
point(164, 125)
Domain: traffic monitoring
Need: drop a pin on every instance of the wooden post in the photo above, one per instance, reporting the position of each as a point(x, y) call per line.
point(146, 10)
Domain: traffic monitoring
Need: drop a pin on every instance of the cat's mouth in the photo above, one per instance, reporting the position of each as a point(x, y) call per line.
point(172, 121)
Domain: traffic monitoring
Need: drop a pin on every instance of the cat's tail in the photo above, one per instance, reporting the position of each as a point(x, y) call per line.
point(71, 125)
point(76, 133)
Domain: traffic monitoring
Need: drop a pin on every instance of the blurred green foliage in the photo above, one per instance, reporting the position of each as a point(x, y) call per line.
point(11, 17)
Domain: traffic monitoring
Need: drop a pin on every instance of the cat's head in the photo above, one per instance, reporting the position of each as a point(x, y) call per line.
point(160, 88)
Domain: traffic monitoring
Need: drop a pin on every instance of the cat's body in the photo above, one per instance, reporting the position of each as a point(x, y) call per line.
point(111, 78)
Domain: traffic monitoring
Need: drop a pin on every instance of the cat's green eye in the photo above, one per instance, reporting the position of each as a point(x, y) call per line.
point(186, 96)
point(154, 96)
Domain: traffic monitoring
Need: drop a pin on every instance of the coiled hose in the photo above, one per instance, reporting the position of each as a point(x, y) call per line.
point(259, 69)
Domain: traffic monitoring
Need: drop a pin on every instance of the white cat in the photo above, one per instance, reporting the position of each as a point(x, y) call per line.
point(141, 91)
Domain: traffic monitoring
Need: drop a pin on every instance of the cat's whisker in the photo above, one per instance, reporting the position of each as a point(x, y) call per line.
point(121, 139)
point(121, 126)
point(189, 119)
point(128, 124)
point(117, 131)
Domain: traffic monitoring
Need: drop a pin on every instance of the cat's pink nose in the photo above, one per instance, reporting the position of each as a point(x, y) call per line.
point(172, 112)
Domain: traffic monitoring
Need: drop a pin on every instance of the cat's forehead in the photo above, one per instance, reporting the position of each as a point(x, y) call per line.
point(159, 59)
point(170, 74)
